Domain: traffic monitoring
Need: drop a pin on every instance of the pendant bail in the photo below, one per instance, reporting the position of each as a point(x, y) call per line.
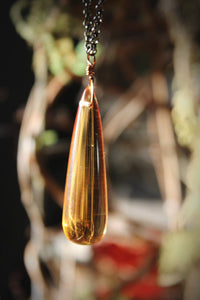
point(90, 70)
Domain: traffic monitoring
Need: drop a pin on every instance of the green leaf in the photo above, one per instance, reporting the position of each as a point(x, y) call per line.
point(47, 138)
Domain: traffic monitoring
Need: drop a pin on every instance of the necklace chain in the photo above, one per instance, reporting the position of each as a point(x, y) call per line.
point(92, 22)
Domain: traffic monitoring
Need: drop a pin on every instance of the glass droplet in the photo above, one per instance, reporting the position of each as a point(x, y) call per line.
point(85, 199)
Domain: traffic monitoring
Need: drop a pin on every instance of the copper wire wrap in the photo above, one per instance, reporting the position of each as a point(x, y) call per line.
point(90, 69)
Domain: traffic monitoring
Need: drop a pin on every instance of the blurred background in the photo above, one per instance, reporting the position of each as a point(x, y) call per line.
point(147, 86)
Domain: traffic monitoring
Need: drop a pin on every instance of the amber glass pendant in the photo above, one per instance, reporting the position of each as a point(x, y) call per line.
point(85, 198)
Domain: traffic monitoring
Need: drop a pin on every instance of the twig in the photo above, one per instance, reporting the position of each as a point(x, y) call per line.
point(125, 111)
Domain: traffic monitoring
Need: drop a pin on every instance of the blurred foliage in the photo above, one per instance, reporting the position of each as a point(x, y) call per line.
point(34, 18)
point(179, 253)
point(52, 25)
point(186, 125)
point(47, 138)
point(181, 248)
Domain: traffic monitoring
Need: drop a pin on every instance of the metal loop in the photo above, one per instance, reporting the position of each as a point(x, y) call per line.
point(90, 70)
point(91, 62)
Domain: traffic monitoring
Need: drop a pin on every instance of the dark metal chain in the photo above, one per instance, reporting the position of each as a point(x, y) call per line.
point(92, 21)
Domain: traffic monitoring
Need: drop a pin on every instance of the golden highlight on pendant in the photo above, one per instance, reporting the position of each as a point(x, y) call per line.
point(85, 198)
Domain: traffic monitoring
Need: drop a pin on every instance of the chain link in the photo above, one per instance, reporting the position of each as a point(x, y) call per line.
point(92, 21)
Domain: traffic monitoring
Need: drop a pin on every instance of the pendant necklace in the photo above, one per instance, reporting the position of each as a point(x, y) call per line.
point(85, 198)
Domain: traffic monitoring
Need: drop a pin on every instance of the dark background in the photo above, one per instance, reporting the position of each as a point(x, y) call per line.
point(15, 82)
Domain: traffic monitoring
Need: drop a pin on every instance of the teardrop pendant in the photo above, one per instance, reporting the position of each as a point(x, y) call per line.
point(85, 198)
